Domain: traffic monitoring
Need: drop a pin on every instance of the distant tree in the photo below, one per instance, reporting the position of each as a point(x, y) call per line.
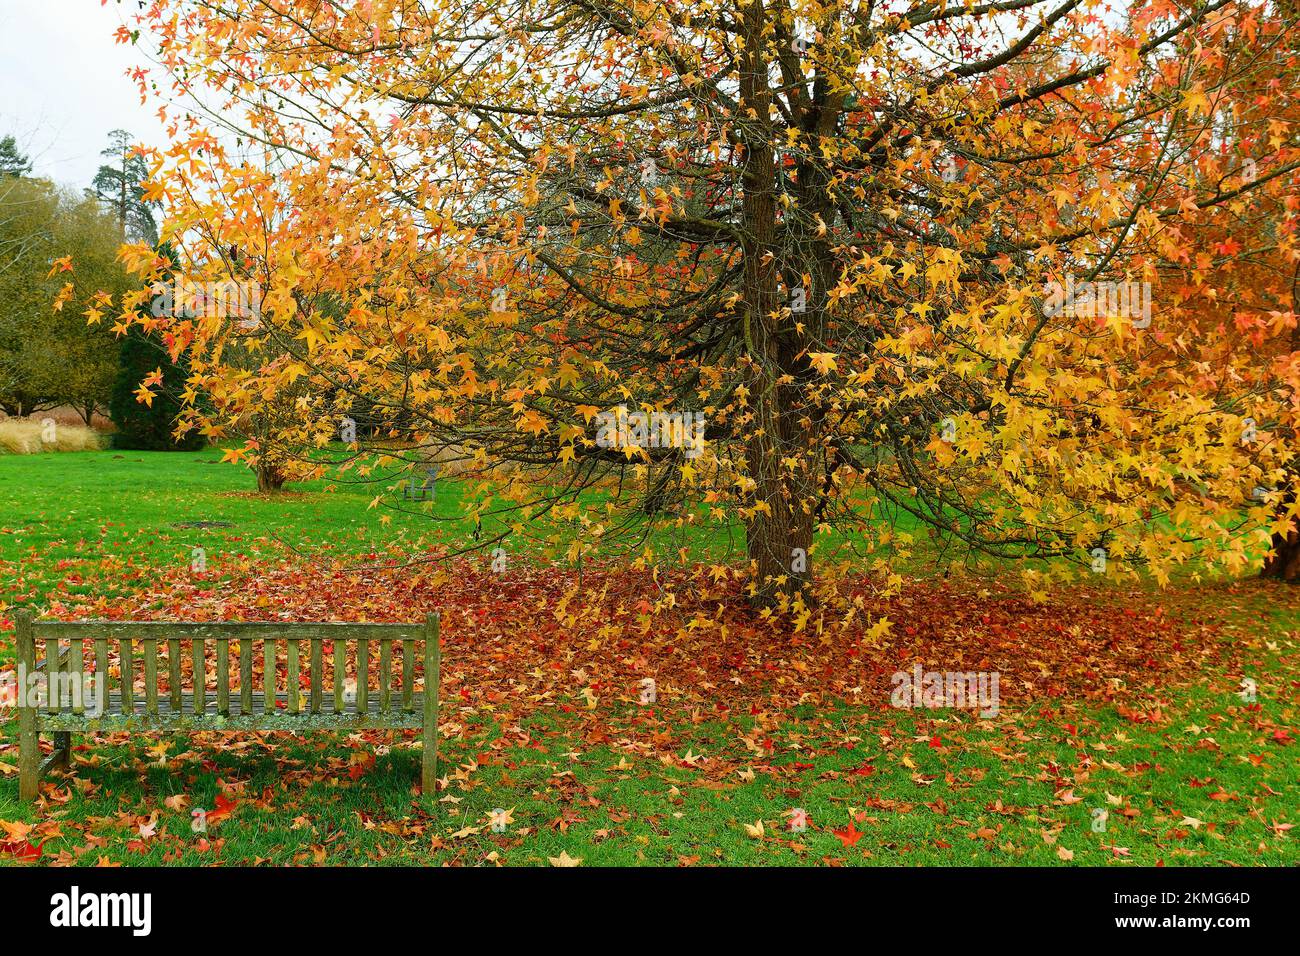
point(87, 355)
point(28, 209)
point(48, 353)
point(120, 184)
point(13, 162)
point(148, 426)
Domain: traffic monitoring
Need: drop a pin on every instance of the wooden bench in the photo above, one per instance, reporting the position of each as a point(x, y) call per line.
point(179, 661)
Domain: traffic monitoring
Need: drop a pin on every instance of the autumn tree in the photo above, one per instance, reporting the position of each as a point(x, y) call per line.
point(921, 260)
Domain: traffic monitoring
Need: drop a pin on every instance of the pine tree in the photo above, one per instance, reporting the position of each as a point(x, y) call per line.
point(13, 162)
point(120, 184)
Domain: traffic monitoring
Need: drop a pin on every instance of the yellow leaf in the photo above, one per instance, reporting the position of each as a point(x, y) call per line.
point(823, 362)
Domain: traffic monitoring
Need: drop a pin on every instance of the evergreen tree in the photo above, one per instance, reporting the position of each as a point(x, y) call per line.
point(13, 162)
point(149, 427)
point(121, 185)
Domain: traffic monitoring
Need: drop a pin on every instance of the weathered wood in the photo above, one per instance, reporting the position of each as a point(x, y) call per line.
point(77, 669)
point(200, 671)
point(233, 630)
point(29, 747)
point(259, 718)
point(223, 675)
point(363, 676)
point(340, 675)
point(314, 703)
point(184, 710)
point(151, 675)
point(127, 657)
point(268, 672)
point(385, 676)
point(432, 669)
point(53, 685)
point(62, 755)
point(294, 677)
point(408, 675)
point(101, 666)
point(58, 758)
point(245, 674)
point(174, 672)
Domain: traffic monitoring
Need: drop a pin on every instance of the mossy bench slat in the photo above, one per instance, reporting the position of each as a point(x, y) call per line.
point(333, 703)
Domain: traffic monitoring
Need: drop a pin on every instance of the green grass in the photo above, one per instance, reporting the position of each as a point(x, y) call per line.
point(59, 504)
point(988, 797)
point(990, 793)
point(72, 506)
point(67, 511)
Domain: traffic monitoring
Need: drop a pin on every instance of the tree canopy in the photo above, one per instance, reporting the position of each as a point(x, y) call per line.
point(1019, 273)
point(48, 354)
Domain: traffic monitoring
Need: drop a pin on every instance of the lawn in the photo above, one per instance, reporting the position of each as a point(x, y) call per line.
point(1122, 737)
point(155, 508)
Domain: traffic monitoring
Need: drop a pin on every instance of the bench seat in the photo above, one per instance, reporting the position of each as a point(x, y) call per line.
point(114, 718)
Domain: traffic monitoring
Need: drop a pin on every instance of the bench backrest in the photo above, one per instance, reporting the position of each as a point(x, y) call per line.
point(174, 657)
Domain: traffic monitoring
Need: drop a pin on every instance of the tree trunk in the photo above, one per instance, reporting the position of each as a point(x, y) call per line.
point(778, 526)
point(269, 478)
point(1283, 561)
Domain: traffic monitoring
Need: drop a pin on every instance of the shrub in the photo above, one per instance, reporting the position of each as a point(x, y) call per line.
point(25, 436)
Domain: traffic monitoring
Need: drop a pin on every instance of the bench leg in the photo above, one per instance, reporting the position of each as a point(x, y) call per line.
point(429, 761)
point(432, 669)
point(29, 741)
point(29, 760)
point(62, 749)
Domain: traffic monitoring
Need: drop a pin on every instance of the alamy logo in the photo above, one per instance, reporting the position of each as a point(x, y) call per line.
point(958, 689)
point(619, 429)
point(229, 299)
point(77, 691)
point(1099, 300)
point(134, 910)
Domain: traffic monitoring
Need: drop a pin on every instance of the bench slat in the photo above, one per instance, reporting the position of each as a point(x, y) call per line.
point(385, 676)
point(223, 676)
point(174, 672)
point(315, 677)
point(340, 672)
point(78, 671)
point(260, 718)
point(52, 682)
point(232, 630)
point(295, 679)
point(268, 674)
point(363, 677)
point(408, 675)
point(200, 669)
point(127, 657)
point(245, 674)
point(101, 667)
point(151, 675)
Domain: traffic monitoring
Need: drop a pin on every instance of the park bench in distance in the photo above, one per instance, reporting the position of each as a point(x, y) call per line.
point(179, 652)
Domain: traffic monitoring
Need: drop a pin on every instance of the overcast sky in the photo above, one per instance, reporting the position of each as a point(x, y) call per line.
point(63, 84)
